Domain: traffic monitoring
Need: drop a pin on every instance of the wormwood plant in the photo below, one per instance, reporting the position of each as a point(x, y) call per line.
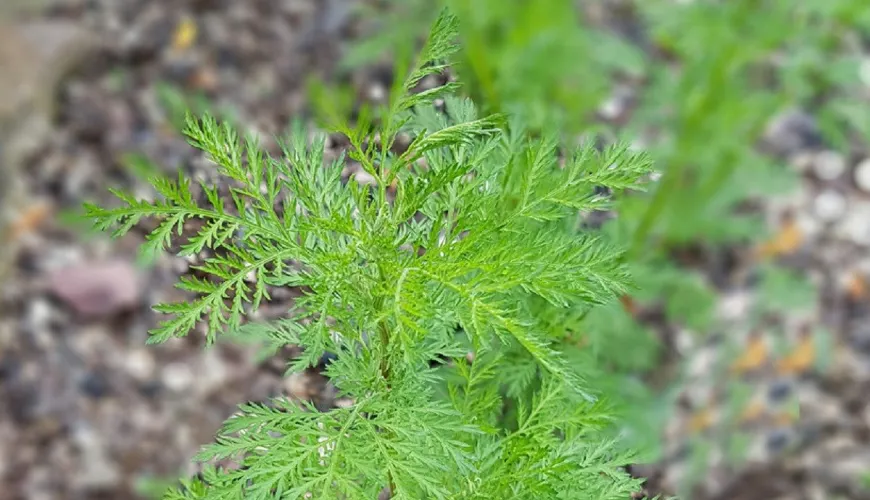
point(424, 283)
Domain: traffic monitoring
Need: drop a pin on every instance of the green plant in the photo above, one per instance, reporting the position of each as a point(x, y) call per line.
point(458, 249)
point(707, 75)
point(544, 62)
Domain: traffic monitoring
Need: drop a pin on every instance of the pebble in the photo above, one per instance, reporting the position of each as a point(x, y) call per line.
point(701, 363)
point(864, 71)
point(296, 384)
point(802, 162)
point(830, 205)
point(364, 178)
point(95, 385)
point(177, 377)
point(140, 364)
point(150, 388)
point(858, 336)
point(147, 37)
point(377, 92)
point(829, 165)
point(855, 226)
point(734, 306)
point(862, 175)
point(39, 314)
point(777, 440)
point(97, 470)
point(791, 131)
point(779, 391)
point(343, 403)
point(97, 288)
point(214, 372)
point(87, 116)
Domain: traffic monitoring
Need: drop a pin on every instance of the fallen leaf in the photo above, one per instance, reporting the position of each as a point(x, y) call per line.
point(856, 287)
point(702, 420)
point(97, 288)
point(753, 412)
point(788, 239)
point(784, 419)
point(204, 78)
point(628, 304)
point(185, 34)
point(801, 359)
point(755, 355)
point(31, 219)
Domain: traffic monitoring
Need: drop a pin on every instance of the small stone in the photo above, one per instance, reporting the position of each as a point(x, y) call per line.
point(611, 109)
point(802, 162)
point(97, 289)
point(779, 391)
point(326, 360)
point(9, 367)
point(855, 226)
point(140, 365)
point(829, 165)
point(734, 306)
point(97, 471)
point(616, 107)
point(343, 403)
point(150, 388)
point(151, 33)
point(703, 362)
point(862, 175)
point(790, 131)
point(297, 385)
point(86, 114)
point(214, 372)
point(95, 385)
point(830, 205)
point(377, 92)
point(364, 178)
point(864, 71)
point(39, 315)
point(777, 440)
point(177, 377)
point(858, 336)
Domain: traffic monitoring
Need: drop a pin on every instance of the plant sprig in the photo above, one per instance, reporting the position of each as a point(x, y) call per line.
point(444, 253)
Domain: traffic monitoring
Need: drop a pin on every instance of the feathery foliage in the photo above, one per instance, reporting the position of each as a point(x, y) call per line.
point(456, 246)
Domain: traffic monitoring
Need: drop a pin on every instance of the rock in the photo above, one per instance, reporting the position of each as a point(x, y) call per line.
point(791, 131)
point(734, 306)
point(177, 377)
point(97, 471)
point(862, 175)
point(830, 205)
point(829, 165)
point(148, 36)
point(87, 114)
point(297, 385)
point(95, 385)
point(35, 58)
point(140, 364)
point(855, 226)
point(802, 162)
point(97, 289)
point(864, 71)
point(214, 372)
point(779, 391)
